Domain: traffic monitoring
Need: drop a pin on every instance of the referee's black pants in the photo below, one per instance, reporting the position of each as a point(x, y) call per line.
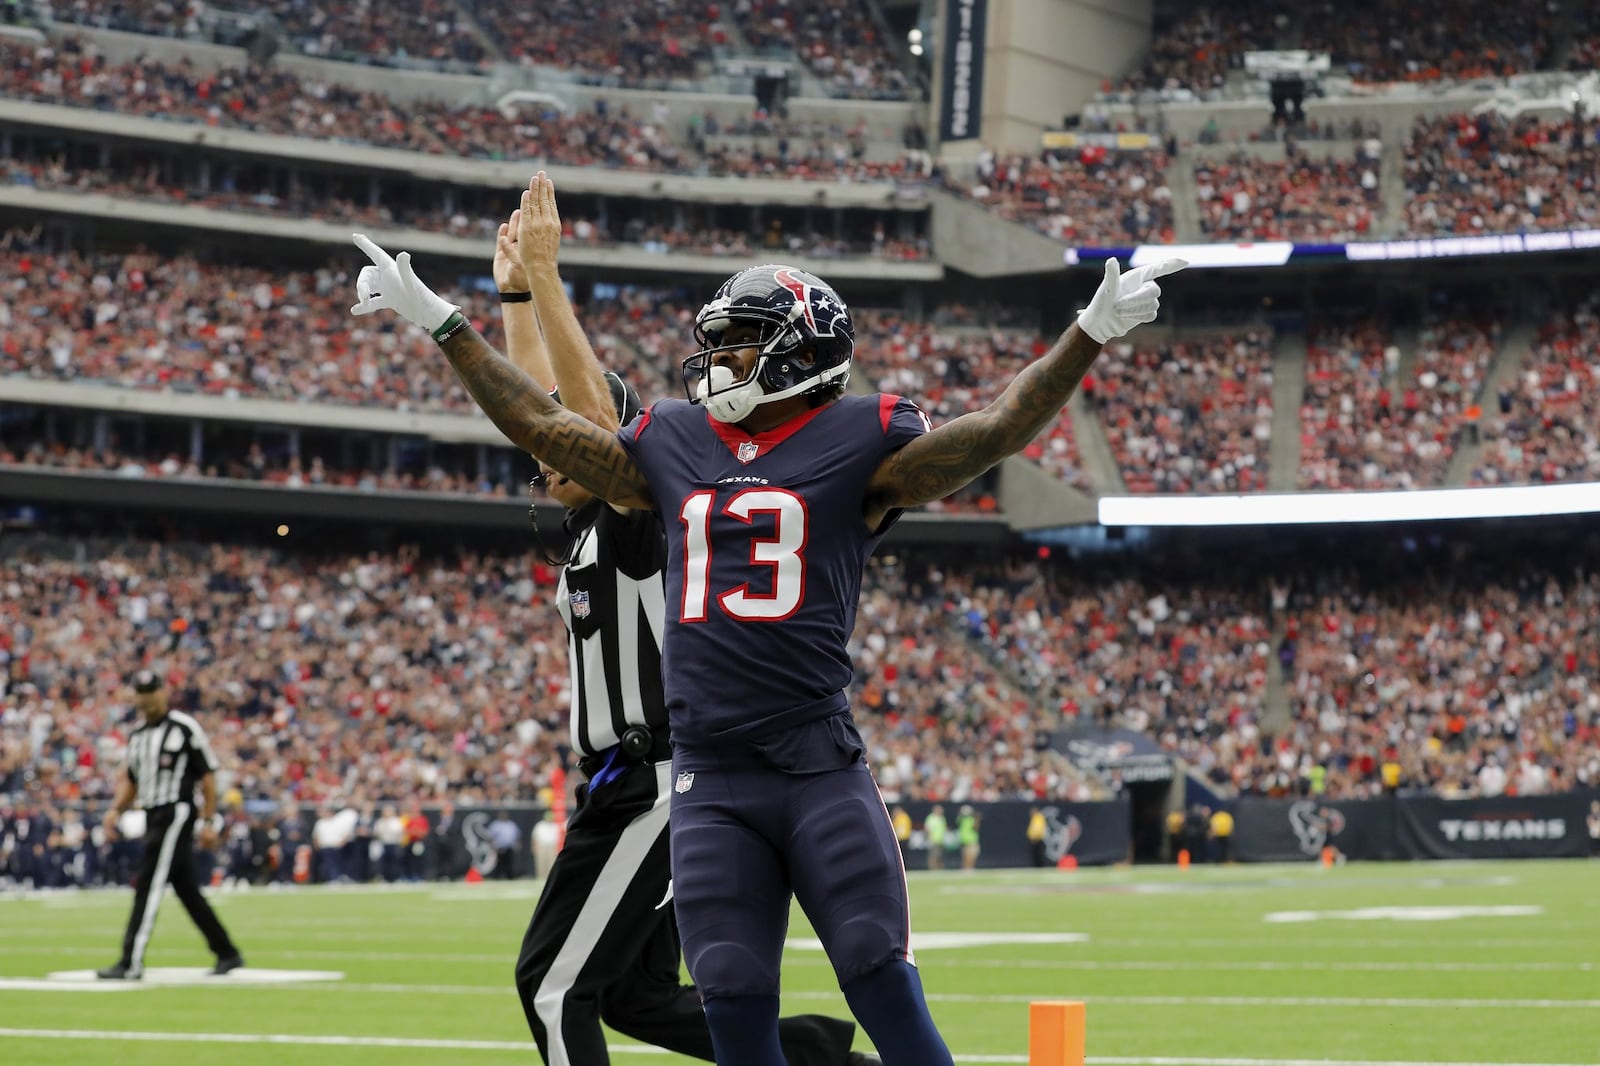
point(168, 856)
point(603, 946)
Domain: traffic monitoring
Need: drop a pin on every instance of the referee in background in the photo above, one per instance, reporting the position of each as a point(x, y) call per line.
point(167, 757)
point(603, 942)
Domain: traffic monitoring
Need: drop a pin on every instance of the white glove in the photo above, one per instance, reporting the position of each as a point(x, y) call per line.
point(390, 283)
point(1124, 301)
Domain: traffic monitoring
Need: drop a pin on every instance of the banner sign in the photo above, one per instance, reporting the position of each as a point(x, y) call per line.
point(1413, 827)
point(1133, 756)
point(1123, 142)
point(961, 109)
point(1095, 834)
point(1286, 253)
point(1505, 827)
point(1269, 830)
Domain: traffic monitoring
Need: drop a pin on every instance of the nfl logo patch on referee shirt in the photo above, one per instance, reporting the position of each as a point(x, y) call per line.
point(748, 451)
point(685, 782)
point(580, 604)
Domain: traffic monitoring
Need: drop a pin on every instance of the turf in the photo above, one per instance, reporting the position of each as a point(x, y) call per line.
point(1179, 965)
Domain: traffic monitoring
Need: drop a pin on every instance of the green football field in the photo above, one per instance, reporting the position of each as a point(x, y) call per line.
point(1244, 966)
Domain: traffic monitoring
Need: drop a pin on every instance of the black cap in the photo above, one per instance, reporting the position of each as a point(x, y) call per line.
point(623, 398)
point(146, 681)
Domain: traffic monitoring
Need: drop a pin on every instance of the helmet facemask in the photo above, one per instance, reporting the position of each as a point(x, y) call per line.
point(780, 370)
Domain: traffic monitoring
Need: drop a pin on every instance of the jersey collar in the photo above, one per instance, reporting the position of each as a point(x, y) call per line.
point(735, 438)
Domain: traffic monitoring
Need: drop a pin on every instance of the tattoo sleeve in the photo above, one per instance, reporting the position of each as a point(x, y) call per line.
point(945, 459)
point(531, 420)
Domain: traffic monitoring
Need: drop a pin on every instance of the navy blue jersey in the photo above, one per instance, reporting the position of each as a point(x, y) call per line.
point(766, 547)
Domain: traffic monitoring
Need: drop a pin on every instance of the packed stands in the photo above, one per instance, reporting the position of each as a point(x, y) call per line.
point(1416, 41)
point(1092, 197)
point(619, 43)
point(1545, 429)
point(1185, 662)
point(1471, 174)
point(150, 322)
point(942, 720)
point(372, 673)
point(1299, 199)
point(376, 676)
point(270, 100)
point(1363, 428)
point(840, 41)
point(248, 191)
point(1196, 53)
point(1479, 684)
point(430, 32)
point(1190, 416)
point(950, 371)
point(260, 466)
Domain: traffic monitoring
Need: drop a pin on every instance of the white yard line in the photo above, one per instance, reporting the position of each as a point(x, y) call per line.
point(522, 1046)
point(1317, 1002)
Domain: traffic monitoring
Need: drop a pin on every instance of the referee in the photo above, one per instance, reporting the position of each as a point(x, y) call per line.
point(167, 756)
point(603, 942)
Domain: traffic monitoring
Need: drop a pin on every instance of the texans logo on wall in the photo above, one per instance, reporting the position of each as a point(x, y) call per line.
point(1314, 825)
point(1060, 833)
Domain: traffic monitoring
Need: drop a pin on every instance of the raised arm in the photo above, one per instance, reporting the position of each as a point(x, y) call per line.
point(523, 411)
point(530, 419)
point(524, 337)
point(943, 460)
point(578, 373)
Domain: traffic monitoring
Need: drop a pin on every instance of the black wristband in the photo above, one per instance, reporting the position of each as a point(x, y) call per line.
point(515, 297)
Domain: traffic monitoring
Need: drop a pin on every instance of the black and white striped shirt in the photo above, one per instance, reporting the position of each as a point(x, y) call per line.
point(167, 759)
point(613, 600)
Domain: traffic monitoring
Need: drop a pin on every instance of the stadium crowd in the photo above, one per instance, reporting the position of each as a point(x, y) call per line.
point(151, 322)
point(1484, 173)
point(261, 466)
point(621, 43)
point(430, 32)
point(1416, 41)
point(1545, 430)
point(952, 370)
point(242, 190)
point(340, 681)
point(266, 99)
point(1091, 197)
point(1479, 684)
point(1363, 427)
point(1449, 680)
point(842, 42)
point(1185, 417)
point(384, 675)
point(1299, 199)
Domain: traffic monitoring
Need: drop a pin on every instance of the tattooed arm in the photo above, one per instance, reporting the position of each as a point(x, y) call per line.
point(941, 461)
point(531, 420)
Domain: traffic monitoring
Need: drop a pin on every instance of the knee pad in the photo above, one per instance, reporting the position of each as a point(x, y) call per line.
point(725, 968)
point(861, 946)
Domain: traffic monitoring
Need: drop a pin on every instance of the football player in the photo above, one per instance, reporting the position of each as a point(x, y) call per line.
point(774, 487)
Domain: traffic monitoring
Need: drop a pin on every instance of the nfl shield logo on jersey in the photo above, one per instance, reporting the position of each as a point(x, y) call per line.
point(685, 782)
point(580, 604)
point(748, 451)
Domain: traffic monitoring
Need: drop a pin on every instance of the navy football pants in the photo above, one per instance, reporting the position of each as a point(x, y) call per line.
point(745, 836)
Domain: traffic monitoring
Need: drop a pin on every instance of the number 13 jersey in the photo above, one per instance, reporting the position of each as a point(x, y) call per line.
point(766, 544)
